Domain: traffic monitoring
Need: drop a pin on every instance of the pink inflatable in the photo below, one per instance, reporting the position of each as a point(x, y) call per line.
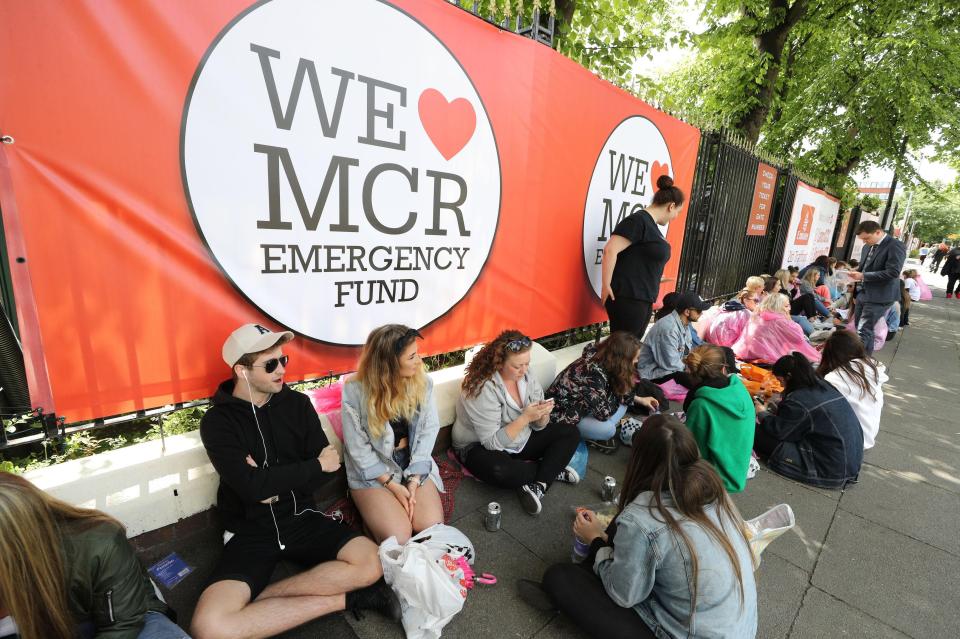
point(727, 327)
point(769, 336)
point(925, 294)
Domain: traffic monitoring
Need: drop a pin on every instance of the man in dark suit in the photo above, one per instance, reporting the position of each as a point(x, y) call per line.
point(881, 261)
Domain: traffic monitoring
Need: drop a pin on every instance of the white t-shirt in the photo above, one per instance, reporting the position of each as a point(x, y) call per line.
point(913, 289)
point(866, 406)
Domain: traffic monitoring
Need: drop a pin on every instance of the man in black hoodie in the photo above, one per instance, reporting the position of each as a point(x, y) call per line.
point(266, 442)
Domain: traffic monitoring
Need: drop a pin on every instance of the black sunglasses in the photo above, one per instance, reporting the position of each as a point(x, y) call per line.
point(519, 344)
point(271, 364)
point(405, 340)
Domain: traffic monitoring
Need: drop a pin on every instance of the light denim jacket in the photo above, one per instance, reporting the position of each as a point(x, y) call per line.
point(366, 458)
point(647, 569)
point(664, 347)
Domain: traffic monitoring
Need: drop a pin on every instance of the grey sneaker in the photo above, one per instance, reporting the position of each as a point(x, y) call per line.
point(605, 446)
point(530, 496)
point(568, 476)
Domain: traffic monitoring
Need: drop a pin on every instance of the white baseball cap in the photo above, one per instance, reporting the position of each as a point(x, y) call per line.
point(251, 338)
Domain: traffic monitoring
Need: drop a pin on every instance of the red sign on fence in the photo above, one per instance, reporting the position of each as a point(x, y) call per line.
point(762, 200)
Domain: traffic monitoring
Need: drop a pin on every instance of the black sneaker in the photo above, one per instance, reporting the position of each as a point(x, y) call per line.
point(530, 496)
point(605, 446)
point(569, 476)
point(379, 597)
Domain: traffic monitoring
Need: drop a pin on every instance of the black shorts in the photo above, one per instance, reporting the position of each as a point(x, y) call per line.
point(309, 539)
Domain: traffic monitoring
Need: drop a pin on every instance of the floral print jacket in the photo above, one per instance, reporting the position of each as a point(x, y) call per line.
point(582, 390)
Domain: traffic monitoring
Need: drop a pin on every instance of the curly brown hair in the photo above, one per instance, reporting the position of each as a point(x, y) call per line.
point(615, 356)
point(490, 359)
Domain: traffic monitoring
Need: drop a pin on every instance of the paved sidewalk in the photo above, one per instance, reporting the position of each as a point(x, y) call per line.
point(880, 559)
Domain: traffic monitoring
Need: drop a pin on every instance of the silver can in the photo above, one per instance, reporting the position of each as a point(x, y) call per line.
point(609, 488)
point(491, 520)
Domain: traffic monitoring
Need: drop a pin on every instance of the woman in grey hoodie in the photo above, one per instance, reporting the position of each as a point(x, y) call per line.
point(503, 433)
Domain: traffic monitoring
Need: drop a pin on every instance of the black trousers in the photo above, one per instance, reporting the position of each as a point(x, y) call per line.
point(580, 595)
point(629, 315)
point(803, 305)
point(763, 443)
point(545, 454)
point(952, 282)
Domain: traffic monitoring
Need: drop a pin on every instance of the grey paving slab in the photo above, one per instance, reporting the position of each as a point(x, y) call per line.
point(494, 611)
point(824, 616)
point(912, 507)
point(899, 581)
point(917, 459)
point(550, 535)
point(473, 495)
point(780, 588)
point(800, 546)
point(561, 628)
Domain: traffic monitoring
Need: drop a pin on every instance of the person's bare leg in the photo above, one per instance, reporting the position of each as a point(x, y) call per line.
point(429, 509)
point(382, 513)
point(224, 611)
point(357, 565)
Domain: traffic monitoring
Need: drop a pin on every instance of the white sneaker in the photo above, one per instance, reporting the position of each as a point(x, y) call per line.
point(568, 476)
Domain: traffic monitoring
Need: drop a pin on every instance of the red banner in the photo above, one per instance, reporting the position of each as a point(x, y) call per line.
point(182, 168)
point(763, 192)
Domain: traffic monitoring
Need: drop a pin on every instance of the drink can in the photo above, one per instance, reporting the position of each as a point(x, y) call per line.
point(491, 520)
point(580, 550)
point(608, 489)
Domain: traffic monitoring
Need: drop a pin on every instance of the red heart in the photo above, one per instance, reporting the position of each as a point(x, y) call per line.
point(656, 171)
point(450, 125)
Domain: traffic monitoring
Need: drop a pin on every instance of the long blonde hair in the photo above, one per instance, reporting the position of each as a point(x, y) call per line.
point(389, 395)
point(32, 566)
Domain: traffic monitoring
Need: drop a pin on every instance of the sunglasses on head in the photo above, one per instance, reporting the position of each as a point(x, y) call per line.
point(271, 364)
point(519, 344)
point(405, 340)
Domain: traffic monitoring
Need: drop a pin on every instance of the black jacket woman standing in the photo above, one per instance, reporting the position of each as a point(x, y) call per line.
point(951, 268)
point(633, 261)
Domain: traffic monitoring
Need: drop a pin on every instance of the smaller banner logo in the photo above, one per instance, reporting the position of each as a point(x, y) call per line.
point(623, 183)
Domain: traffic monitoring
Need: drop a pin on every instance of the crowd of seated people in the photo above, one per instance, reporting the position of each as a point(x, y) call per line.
point(511, 433)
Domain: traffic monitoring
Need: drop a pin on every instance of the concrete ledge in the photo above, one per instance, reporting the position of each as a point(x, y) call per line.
point(148, 487)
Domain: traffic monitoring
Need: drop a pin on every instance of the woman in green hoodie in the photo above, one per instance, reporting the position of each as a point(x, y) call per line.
point(720, 415)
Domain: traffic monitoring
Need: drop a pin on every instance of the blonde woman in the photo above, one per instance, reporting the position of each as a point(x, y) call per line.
point(68, 572)
point(752, 293)
point(390, 425)
point(772, 333)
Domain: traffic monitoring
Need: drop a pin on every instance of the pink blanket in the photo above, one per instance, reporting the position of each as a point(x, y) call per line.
point(727, 327)
point(769, 336)
point(925, 294)
point(326, 401)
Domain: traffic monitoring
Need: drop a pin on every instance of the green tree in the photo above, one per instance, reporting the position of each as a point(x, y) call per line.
point(936, 213)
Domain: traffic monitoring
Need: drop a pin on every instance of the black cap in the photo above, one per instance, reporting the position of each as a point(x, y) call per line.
point(689, 299)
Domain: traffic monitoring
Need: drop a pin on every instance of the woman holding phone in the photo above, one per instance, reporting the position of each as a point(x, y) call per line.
point(390, 425)
point(503, 434)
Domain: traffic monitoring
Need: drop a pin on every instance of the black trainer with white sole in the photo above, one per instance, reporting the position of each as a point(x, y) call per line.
point(530, 497)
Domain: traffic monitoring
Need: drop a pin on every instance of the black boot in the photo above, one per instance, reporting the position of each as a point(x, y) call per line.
point(379, 597)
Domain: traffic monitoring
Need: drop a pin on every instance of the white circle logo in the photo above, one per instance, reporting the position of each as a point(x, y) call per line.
point(624, 181)
point(340, 166)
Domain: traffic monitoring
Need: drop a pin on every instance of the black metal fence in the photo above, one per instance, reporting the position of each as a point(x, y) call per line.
point(718, 255)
